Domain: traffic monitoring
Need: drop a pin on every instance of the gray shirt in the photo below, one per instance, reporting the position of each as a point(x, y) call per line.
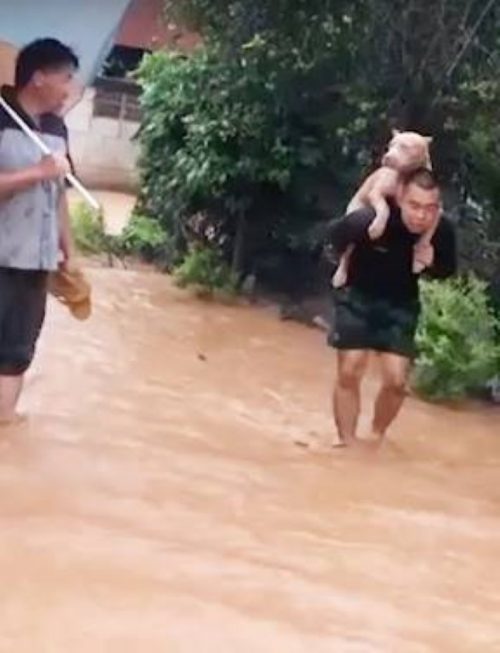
point(29, 220)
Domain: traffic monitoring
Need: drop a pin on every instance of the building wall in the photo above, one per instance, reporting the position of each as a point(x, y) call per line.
point(104, 154)
point(102, 148)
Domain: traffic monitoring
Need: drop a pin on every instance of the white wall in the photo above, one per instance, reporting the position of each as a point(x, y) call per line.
point(101, 148)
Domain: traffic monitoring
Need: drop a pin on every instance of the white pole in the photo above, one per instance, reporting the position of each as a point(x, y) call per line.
point(77, 185)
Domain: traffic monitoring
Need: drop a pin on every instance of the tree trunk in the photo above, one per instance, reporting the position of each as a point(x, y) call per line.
point(239, 245)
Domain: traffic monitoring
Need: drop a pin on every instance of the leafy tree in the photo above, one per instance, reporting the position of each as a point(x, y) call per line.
point(266, 130)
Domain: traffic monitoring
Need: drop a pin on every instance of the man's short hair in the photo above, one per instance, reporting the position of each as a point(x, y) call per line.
point(43, 55)
point(422, 177)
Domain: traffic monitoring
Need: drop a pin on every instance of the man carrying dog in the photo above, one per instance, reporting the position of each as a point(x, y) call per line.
point(378, 310)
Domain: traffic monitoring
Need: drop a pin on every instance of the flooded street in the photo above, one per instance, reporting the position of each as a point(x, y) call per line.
point(156, 502)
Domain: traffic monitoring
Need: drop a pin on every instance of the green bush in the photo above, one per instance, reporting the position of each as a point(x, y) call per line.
point(221, 136)
point(205, 269)
point(88, 230)
point(145, 237)
point(456, 338)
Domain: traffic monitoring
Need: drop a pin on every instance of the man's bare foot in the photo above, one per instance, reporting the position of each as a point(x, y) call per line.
point(12, 420)
point(375, 441)
point(349, 443)
point(315, 442)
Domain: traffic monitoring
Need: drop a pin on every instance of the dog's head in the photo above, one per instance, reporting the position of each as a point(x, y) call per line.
point(408, 151)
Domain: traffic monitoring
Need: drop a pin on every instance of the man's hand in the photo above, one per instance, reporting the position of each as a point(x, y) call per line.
point(54, 166)
point(50, 168)
point(67, 252)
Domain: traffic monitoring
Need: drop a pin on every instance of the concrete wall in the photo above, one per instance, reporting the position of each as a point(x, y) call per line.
point(102, 149)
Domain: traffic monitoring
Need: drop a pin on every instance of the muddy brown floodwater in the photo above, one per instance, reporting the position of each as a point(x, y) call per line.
point(156, 501)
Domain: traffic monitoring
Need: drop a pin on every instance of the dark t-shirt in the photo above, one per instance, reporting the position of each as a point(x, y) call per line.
point(383, 268)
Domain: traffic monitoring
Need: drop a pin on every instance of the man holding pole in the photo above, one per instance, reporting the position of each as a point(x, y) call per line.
point(34, 220)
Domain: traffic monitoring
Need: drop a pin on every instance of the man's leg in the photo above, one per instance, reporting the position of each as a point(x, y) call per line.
point(351, 366)
point(395, 370)
point(21, 323)
point(10, 391)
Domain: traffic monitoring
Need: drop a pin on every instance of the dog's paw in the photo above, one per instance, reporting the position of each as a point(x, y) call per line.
point(375, 230)
point(339, 279)
point(418, 267)
point(423, 257)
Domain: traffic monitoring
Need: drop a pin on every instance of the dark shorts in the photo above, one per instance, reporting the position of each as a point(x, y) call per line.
point(23, 297)
point(363, 322)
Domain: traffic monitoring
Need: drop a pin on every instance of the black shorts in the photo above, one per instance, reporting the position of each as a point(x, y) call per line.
point(23, 297)
point(363, 322)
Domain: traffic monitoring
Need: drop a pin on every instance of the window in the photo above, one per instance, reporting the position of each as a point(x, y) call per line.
point(117, 96)
point(117, 99)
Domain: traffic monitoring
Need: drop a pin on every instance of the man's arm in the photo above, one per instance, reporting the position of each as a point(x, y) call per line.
point(445, 251)
point(351, 229)
point(18, 180)
point(15, 181)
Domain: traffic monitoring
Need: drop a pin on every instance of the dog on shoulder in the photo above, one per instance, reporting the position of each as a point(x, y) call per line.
point(407, 151)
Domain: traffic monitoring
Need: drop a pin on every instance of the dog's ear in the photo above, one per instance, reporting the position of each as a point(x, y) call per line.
point(395, 132)
point(429, 140)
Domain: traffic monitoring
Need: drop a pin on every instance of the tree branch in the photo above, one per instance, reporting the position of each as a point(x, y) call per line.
point(475, 29)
